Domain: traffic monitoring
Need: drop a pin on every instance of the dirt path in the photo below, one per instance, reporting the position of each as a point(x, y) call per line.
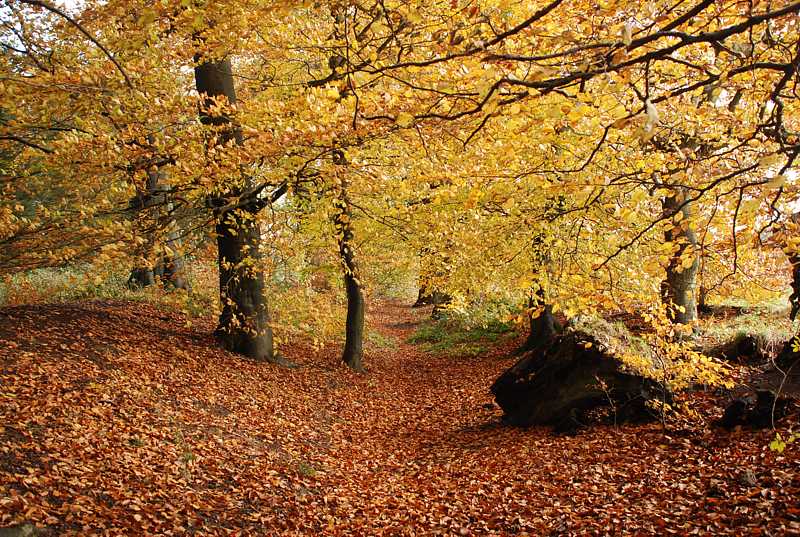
point(114, 419)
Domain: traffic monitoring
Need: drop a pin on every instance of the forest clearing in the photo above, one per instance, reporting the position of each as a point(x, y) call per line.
point(399, 267)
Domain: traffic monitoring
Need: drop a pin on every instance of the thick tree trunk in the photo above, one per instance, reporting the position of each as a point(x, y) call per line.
point(572, 375)
point(354, 330)
point(679, 286)
point(244, 321)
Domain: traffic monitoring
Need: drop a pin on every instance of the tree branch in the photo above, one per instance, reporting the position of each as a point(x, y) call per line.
point(81, 29)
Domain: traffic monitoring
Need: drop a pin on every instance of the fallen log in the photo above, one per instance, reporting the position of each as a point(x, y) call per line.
point(766, 397)
point(558, 383)
point(742, 349)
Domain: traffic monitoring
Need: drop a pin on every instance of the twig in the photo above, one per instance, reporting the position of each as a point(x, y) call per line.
point(81, 29)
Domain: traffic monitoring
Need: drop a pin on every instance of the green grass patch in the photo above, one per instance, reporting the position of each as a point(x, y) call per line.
point(305, 469)
point(379, 341)
point(770, 329)
point(454, 339)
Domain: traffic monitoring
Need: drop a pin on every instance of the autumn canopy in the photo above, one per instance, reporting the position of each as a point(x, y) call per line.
point(282, 166)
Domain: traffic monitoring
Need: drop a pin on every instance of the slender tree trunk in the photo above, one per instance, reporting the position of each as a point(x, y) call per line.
point(173, 273)
point(141, 277)
point(424, 295)
point(428, 294)
point(440, 300)
point(544, 326)
point(794, 261)
point(145, 275)
point(174, 265)
point(679, 286)
point(244, 322)
point(354, 329)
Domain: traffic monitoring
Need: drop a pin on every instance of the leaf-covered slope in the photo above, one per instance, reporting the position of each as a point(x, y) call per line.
point(115, 417)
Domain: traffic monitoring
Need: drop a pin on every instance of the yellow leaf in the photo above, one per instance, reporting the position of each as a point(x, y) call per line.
point(769, 160)
point(777, 182)
point(404, 120)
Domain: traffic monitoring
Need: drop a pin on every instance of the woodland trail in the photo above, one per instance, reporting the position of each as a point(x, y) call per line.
point(116, 418)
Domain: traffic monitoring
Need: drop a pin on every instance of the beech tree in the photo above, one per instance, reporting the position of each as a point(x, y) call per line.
point(499, 105)
point(354, 327)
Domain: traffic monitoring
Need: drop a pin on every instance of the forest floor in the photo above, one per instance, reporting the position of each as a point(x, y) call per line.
point(116, 418)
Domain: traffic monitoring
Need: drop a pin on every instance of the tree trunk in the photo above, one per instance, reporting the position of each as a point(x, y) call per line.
point(440, 301)
point(572, 375)
point(794, 298)
point(543, 328)
point(354, 329)
point(174, 266)
point(424, 297)
point(788, 359)
point(244, 321)
point(794, 261)
point(679, 286)
point(141, 277)
point(169, 266)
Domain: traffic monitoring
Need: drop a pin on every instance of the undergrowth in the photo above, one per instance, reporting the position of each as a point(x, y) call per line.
point(452, 338)
point(84, 282)
point(379, 341)
point(770, 329)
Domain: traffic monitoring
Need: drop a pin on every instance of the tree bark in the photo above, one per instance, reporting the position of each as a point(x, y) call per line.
point(543, 328)
point(169, 266)
point(440, 301)
point(679, 286)
point(144, 276)
point(794, 261)
point(141, 277)
point(353, 354)
point(244, 322)
point(570, 375)
point(424, 297)
point(174, 265)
